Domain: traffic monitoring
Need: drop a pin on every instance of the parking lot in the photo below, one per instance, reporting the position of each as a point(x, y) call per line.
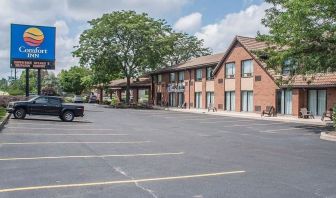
point(153, 153)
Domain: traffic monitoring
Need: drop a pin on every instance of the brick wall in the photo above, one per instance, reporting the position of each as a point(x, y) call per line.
point(219, 89)
point(331, 97)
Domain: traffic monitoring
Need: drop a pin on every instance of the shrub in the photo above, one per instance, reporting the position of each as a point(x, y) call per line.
point(2, 112)
point(334, 116)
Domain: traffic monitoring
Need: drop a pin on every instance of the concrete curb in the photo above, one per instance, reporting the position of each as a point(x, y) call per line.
point(4, 121)
point(326, 136)
point(254, 117)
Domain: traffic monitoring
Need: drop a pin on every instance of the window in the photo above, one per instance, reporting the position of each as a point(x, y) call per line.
point(230, 70)
point(247, 68)
point(247, 101)
point(230, 100)
point(41, 100)
point(159, 78)
point(317, 101)
point(181, 76)
point(172, 77)
point(198, 100)
point(198, 76)
point(209, 75)
point(54, 101)
point(210, 99)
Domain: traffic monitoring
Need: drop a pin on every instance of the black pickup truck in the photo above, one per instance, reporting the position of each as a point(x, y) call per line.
point(45, 105)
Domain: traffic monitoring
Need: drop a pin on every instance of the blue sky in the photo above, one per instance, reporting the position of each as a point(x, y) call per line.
point(215, 21)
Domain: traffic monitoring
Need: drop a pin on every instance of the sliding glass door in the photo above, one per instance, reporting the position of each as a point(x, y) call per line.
point(317, 101)
point(172, 99)
point(286, 102)
point(247, 101)
point(198, 100)
point(210, 99)
point(230, 100)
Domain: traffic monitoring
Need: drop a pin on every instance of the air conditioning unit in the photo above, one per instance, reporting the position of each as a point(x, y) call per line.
point(231, 76)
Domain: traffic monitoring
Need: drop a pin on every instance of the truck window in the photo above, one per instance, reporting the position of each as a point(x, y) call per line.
point(54, 101)
point(41, 100)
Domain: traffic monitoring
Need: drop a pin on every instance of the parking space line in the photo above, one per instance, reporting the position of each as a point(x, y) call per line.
point(52, 124)
point(38, 143)
point(67, 134)
point(219, 121)
point(132, 181)
point(90, 156)
point(275, 130)
point(63, 129)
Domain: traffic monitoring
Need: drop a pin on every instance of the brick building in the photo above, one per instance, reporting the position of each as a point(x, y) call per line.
point(238, 80)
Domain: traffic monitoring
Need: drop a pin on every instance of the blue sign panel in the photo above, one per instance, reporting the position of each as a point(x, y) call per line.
point(32, 46)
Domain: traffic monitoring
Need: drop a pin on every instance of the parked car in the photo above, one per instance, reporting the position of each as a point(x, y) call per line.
point(78, 99)
point(45, 105)
point(93, 99)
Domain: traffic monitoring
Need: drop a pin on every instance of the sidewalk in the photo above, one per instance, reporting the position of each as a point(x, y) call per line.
point(316, 121)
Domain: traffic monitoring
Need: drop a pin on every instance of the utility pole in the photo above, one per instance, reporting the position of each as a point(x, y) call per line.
point(38, 81)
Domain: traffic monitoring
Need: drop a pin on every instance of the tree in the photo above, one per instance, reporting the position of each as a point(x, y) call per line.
point(3, 84)
point(125, 44)
point(302, 35)
point(71, 80)
point(185, 47)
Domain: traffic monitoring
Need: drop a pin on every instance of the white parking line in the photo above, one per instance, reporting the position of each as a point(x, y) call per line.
point(90, 156)
point(51, 124)
point(275, 130)
point(132, 181)
point(67, 134)
point(62, 129)
point(37, 143)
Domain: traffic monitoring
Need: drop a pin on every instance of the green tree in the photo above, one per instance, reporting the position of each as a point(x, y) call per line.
point(72, 80)
point(3, 84)
point(183, 48)
point(302, 35)
point(124, 42)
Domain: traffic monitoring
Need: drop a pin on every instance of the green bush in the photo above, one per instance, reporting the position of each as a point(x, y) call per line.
point(2, 112)
point(16, 92)
point(334, 116)
point(114, 102)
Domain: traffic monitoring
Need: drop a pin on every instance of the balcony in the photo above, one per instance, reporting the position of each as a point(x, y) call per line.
point(176, 87)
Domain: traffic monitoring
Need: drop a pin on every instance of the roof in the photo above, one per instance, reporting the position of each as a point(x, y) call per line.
point(311, 81)
point(139, 82)
point(193, 63)
point(249, 43)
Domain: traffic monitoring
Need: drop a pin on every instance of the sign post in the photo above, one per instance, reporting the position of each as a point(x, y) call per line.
point(32, 47)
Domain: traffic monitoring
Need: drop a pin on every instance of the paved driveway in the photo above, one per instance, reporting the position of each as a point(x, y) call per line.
point(148, 153)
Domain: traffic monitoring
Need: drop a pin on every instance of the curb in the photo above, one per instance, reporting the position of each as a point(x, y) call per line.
point(4, 121)
point(326, 136)
point(255, 118)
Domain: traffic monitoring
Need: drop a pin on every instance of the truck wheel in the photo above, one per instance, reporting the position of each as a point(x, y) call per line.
point(19, 113)
point(68, 116)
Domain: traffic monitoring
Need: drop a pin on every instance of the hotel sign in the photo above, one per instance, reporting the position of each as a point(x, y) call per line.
point(32, 47)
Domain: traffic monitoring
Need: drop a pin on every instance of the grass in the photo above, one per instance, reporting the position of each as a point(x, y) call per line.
point(2, 112)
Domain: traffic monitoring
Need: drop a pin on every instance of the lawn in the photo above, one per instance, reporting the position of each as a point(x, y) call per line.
point(2, 112)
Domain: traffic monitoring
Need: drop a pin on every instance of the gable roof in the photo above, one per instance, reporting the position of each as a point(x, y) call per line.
point(193, 63)
point(248, 43)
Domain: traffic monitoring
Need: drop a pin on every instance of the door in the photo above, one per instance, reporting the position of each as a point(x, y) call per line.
point(317, 101)
point(210, 99)
point(39, 106)
point(54, 106)
point(286, 102)
point(180, 99)
point(247, 101)
point(158, 99)
point(198, 100)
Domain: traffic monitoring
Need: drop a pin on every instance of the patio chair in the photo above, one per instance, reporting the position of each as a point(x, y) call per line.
point(270, 111)
point(327, 114)
point(211, 107)
point(305, 113)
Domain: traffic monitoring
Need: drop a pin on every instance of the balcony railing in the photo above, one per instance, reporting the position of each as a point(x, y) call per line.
point(176, 87)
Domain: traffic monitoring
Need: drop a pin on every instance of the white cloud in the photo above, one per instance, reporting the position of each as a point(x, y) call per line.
point(219, 35)
point(69, 16)
point(190, 23)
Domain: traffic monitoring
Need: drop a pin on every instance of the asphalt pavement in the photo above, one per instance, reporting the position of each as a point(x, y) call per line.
point(155, 153)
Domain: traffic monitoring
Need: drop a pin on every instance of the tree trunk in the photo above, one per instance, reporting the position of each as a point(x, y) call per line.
point(128, 85)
